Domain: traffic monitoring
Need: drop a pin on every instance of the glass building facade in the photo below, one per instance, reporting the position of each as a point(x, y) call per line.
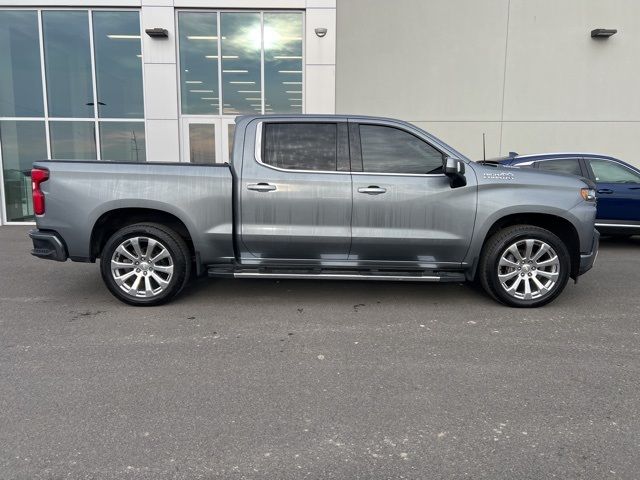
point(70, 88)
point(72, 85)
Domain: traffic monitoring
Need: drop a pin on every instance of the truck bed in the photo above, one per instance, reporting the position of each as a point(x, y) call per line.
point(78, 194)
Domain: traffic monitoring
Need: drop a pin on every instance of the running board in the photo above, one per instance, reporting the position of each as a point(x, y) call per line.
point(339, 276)
point(440, 277)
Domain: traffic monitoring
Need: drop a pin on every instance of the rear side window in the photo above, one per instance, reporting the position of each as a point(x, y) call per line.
point(611, 172)
point(566, 165)
point(391, 150)
point(300, 146)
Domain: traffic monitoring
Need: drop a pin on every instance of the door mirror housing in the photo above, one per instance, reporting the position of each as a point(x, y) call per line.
point(454, 169)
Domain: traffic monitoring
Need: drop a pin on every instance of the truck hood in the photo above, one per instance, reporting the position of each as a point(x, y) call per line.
point(497, 173)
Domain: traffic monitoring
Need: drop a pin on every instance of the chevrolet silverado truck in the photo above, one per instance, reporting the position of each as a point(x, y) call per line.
point(319, 197)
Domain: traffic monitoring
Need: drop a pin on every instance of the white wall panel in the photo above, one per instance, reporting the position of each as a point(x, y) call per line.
point(162, 141)
point(321, 3)
point(70, 3)
point(421, 60)
point(320, 50)
point(619, 139)
point(159, 50)
point(234, 4)
point(320, 89)
point(466, 137)
point(158, 3)
point(557, 72)
point(161, 91)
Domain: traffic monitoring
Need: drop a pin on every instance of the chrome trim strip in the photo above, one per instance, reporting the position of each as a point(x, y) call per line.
point(258, 158)
point(337, 276)
point(570, 154)
point(400, 174)
point(622, 225)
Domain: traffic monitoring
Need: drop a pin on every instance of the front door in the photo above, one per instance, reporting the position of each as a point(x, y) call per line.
point(296, 192)
point(618, 190)
point(404, 209)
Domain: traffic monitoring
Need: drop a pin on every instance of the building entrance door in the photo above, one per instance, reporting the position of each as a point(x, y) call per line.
point(207, 139)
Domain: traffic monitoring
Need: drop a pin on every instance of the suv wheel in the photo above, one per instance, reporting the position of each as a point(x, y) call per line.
point(145, 264)
point(524, 266)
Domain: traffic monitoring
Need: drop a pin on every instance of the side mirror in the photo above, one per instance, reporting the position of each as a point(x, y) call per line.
point(454, 169)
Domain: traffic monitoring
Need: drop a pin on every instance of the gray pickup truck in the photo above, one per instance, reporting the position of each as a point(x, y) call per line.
point(316, 196)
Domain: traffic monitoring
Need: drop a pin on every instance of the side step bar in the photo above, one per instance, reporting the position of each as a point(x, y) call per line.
point(339, 276)
point(390, 277)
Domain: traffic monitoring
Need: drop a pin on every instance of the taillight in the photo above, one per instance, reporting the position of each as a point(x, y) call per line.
point(38, 175)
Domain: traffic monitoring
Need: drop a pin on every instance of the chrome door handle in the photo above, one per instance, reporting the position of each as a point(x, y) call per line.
point(372, 190)
point(261, 187)
point(605, 190)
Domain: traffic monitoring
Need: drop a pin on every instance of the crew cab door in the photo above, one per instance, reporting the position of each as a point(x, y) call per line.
point(295, 191)
point(618, 189)
point(404, 208)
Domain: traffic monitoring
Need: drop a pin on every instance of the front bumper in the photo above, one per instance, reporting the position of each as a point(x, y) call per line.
point(49, 245)
point(588, 259)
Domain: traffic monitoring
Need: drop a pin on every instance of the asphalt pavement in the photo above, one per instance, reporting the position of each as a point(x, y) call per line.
point(264, 379)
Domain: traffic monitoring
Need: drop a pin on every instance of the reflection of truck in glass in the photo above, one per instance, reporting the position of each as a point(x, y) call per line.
point(326, 197)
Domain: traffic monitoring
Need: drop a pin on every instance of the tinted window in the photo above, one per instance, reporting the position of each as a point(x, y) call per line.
point(20, 78)
point(122, 141)
point(240, 43)
point(68, 63)
point(568, 165)
point(73, 140)
point(611, 172)
point(22, 144)
point(390, 150)
point(199, 62)
point(116, 39)
point(283, 53)
point(300, 146)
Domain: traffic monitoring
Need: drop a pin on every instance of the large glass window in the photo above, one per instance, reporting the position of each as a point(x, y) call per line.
point(300, 146)
point(23, 142)
point(20, 75)
point(67, 56)
point(199, 63)
point(283, 62)
point(80, 123)
point(122, 141)
point(391, 150)
point(250, 46)
point(72, 140)
point(241, 45)
point(116, 40)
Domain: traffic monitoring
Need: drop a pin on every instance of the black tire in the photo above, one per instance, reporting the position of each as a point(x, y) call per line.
point(498, 244)
point(179, 260)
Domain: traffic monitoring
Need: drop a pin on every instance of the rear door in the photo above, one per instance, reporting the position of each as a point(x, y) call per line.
point(404, 209)
point(618, 190)
point(295, 192)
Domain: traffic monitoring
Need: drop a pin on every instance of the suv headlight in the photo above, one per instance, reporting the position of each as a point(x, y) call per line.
point(588, 194)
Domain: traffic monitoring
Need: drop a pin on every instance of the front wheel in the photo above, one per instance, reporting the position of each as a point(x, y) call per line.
point(524, 266)
point(145, 264)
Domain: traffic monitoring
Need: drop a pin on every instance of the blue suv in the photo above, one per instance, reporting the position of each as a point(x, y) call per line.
point(617, 185)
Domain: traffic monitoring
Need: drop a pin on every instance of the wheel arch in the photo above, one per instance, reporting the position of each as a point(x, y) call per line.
point(557, 225)
point(113, 220)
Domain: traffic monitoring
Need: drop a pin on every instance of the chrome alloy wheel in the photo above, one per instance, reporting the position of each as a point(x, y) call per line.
point(528, 269)
point(142, 267)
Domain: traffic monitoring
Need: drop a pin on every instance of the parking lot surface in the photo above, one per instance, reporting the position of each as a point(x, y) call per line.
point(318, 380)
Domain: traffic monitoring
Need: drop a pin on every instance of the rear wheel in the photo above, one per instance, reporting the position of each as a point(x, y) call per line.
point(524, 266)
point(145, 264)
